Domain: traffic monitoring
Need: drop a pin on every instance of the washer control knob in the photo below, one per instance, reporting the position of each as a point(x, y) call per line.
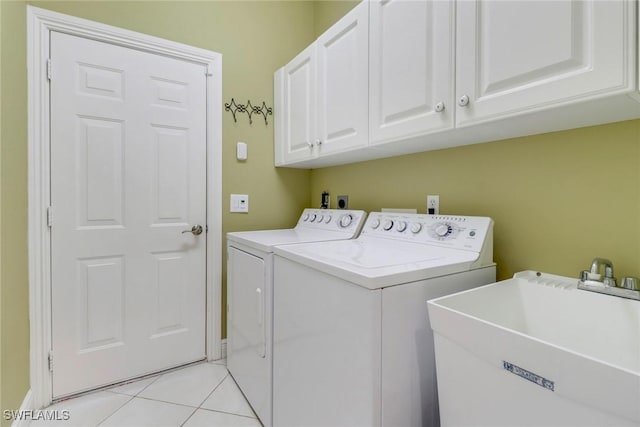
point(401, 226)
point(327, 219)
point(442, 230)
point(346, 220)
point(375, 223)
point(416, 227)
point(387, 225)
point(312, 217)
point(305, 217)
point(320, 218)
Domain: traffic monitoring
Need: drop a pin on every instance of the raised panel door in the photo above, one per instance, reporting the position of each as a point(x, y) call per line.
point(299, 107)
point(343, 90)
point(519, 56)
point(128, 175)
point(411, 68)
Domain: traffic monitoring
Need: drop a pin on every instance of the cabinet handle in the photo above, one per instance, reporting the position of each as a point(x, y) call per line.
point(318, 142)
point(463, 101)
point(439, 108)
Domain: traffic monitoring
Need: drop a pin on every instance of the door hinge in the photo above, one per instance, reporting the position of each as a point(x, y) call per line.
point(49, 217)
point(50, 361)
point(206, 228)
point(48, 68)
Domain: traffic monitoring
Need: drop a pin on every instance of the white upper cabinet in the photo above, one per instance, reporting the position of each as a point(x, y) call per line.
point(411, 68)
point(296, 86)
point(402, 76)
point(343, 84)
point(518, 56)
point(322, 93)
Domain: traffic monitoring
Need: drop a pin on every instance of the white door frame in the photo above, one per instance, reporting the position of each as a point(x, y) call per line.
point(40, 23)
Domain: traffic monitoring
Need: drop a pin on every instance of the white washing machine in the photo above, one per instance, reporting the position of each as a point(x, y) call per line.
point(352, 341)
point(250, 300)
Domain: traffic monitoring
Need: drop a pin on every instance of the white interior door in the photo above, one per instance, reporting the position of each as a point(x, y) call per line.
point(128, 175)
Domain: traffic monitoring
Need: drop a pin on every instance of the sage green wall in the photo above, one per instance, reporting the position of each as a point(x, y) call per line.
point(254, 37)
point(558, 199)
point(14, 333)
point(1, 406)
point(326, 13)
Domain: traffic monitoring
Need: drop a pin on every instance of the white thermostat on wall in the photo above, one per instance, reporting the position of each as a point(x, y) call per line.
point(241, 151)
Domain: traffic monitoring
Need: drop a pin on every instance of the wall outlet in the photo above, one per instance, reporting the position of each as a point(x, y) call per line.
point(433, 205)
point(343, 202)
point(325, 202)
point(239, 203)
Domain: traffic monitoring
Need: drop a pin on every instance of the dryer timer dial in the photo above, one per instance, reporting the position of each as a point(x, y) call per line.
point(346, 220)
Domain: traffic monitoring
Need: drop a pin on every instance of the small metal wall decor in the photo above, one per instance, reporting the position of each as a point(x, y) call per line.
point(249, 109)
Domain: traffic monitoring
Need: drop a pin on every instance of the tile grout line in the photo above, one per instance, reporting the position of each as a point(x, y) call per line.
point(120, 407)
point(214, 389)
point(189, 417)
point(231, 413)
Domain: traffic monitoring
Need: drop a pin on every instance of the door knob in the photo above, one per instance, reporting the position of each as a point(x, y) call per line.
point(195, 230)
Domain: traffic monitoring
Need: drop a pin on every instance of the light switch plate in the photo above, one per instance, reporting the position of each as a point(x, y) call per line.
point(241, 151)
point(239, 203)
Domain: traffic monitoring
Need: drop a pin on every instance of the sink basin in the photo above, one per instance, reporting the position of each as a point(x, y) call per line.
point(535, 350)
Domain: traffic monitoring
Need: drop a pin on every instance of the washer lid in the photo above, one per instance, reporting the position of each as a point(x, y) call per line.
point(376, 263)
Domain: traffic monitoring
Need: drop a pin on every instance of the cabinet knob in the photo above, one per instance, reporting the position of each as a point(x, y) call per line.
point(318, 142)
point(463, 101)
point(310, 144)
point(439, 108)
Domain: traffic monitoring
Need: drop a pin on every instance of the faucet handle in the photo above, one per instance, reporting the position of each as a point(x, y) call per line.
point(632, 283)
point(609, 281)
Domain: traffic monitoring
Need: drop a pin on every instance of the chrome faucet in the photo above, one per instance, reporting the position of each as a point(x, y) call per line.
point(594, 274)
point(592, 280)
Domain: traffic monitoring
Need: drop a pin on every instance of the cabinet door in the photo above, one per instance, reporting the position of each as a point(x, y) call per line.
point(343, 83)
point(411, 68)
point(299, 107)
point(518, 56)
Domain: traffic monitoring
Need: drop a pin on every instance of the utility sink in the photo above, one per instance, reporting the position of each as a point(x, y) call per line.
point(535, 350)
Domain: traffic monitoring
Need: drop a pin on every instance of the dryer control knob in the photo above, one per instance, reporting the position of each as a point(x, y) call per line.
point(320, 218)
point(312, 217)
point(375, 223)
point(327, 219)
point(346, 220)
point(442, 230)
point(388, 225)
point(305, 217)
point(401, 226)
point(416, 227)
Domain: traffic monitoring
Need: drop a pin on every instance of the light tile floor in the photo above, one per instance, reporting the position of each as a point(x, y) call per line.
point(198, 395)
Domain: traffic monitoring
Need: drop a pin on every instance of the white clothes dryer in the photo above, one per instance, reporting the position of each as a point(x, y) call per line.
point(352, 340)
point(250, 301)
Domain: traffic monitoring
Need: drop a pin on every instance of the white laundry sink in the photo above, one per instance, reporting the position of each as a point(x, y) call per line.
point(535, 350)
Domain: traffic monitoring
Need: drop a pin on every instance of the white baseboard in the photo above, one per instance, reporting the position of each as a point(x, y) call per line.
point(27, 405)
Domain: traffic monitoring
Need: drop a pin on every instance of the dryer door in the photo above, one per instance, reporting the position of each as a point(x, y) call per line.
point(246, 301)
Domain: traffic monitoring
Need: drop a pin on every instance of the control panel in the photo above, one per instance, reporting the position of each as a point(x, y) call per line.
point(454, 231)
point(348, 221)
